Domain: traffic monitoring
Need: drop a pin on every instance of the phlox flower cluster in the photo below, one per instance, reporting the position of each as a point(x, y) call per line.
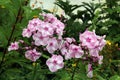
point(47, 35)
point(93, 43)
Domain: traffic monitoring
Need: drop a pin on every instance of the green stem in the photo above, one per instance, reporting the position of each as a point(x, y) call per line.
point(34, 72)
point(13, 29)
point(73, 73)
point(115, 61)
point(18, 19)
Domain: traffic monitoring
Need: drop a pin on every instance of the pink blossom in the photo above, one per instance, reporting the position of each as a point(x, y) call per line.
point(100, 58)
point(59, 27)
point(94, 52)
point(65, 48)
point(46, 29)
point(32, 55)
point(49, 17)
point(70, 40)
point(71, 51)
point(55, 62)
point(64, 51)
point(89, 71)
point(60, 42)
point(34, 24)
point(52, 45)
point(67, 41)
point(102, 42)
point(21, 41)
point(89, 39)
point(26, 33)
point(13, 46)
point(56, 25)
point(92, 41)
point(75, 51)
point(40, 39)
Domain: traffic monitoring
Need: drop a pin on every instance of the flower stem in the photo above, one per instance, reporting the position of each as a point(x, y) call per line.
point(73, 73)
point(34, 72)
point(13, 29)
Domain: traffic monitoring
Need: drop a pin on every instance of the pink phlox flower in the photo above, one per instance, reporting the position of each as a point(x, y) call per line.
point(60, 42)
point(52, 45)
point(56, 25)
point(94, 52)
point(97, 58)
point(21, 41)
point(59, 27)
point(49, 17)
point(89, 39)
point(100, 58)
point(13, 46)
point(46, 29)
point(69, 40)
point(27, 33)
point(34, 24)
point(75, 51)
point(32, 55)
point(102, 42)
point(64, 51)
point(65, 48)
point(89, 71)
point(55, 62)
point(40, 39)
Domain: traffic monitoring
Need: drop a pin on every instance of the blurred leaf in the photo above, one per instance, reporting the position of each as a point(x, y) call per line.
point(3, 38)
point(115, 77)
point(29, 13)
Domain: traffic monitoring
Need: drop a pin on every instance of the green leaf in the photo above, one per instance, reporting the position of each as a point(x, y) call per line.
point(29, 13)
point(3, 38)
point(99, 77)
point(115, 77)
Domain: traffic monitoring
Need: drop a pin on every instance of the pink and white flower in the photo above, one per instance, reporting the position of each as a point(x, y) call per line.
point(72, 51)
point(34, 24)
point(13, 46)
point(46, 29)
point(40, 39)
point(59, 27)
point(52, 45)
point(75, 51)
point(32, 55)
point(102, 42)
point(55, 62)
point(89, 71)
point(89, 39)
point(49, 17)
point(69, 40)
point(27, 33)
point(94, 52)
point(100, 59)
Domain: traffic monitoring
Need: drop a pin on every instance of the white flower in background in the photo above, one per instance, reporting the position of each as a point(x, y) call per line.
point(34, 4)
